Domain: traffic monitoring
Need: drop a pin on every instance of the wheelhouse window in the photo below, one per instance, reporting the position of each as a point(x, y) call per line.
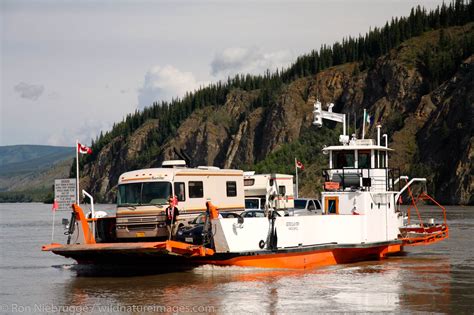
point(180, 191)
point(196, 190)
point(382, 163)
point(380, 159)
point(363, 159)
point(231, 188)
point(343, 159)
point(137, 194)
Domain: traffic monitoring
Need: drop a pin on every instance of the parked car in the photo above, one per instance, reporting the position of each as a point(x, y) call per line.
point(193, 232)
point(200, 219)
point(306, 205)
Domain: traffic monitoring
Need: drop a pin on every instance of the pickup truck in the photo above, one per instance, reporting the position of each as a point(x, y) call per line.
point(307, 206)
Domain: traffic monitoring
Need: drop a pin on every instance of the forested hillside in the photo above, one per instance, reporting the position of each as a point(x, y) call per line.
point(414, 76)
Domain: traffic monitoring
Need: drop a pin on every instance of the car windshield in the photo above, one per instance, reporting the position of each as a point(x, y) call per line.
point(253, 214)
point(150, 193)
point(200, 219)
point(300, 204)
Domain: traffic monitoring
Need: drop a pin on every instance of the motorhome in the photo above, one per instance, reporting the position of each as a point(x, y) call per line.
point(259, 186)
point(143, 194)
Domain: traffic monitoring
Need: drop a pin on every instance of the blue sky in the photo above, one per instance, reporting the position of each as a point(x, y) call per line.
point(70, 69)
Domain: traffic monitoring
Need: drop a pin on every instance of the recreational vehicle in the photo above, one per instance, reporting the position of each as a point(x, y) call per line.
point(143, 194)
point(258, 186)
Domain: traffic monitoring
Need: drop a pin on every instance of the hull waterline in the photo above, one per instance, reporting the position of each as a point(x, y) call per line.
point(157, 256)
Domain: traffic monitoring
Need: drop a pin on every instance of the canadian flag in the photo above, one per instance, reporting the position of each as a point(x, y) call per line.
point(299, 165)
point(82, 149)
point(55, 205)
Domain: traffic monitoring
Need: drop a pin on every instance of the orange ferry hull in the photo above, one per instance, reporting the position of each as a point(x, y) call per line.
point(312, 259)
point(167, 256)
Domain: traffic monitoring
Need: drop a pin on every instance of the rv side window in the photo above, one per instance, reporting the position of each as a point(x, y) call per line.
point(249, 182)
point(282, 190)
point(196, 190)
point(180, 191)
point(231, 189)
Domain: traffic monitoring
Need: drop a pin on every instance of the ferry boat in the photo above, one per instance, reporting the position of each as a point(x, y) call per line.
point(361, 220)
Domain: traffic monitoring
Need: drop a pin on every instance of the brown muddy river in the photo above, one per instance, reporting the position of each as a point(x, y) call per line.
point(437, 278)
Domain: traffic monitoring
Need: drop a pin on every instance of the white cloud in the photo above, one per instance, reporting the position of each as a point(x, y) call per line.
point(120, 42)
point(29, 91)
point(53, 96)
point(235, 60)
point(84, 132)
point(165, 83)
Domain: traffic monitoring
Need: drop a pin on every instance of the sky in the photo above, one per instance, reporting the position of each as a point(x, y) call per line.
point(71, 68)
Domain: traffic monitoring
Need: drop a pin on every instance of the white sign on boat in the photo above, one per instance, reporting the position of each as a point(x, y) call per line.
point(65, 192)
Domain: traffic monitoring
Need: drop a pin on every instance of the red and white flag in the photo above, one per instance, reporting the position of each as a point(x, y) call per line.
point(299, 165)
point(82, 149)
point(55, 205)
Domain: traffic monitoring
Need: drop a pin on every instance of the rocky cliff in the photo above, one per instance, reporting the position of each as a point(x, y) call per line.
point(430, 129)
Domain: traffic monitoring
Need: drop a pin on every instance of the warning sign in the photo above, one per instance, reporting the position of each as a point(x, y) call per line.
point(65, 192)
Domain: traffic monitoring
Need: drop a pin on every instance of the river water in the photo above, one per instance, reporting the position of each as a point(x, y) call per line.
point(436, 278)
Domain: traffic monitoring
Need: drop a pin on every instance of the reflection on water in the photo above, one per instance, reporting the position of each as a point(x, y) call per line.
point(397, 284)
point(439, 278)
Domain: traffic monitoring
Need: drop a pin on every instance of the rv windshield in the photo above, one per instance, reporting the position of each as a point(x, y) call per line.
point(151, 193)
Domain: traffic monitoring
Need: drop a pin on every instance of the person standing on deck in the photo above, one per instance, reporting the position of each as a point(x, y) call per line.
point(171, 214)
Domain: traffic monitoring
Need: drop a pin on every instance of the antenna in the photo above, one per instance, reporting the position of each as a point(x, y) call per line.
point(319, 114)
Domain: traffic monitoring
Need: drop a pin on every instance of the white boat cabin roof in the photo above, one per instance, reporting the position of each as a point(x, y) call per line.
point(356, 147)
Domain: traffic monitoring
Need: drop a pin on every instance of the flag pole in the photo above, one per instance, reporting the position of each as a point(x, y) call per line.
point(296, 171)
point(77, 172)
point(363, 123)
point(355, 124)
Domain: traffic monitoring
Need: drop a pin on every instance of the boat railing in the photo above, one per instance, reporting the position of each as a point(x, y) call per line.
point(93, 223)
point(370, 179)
point(417, 231)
